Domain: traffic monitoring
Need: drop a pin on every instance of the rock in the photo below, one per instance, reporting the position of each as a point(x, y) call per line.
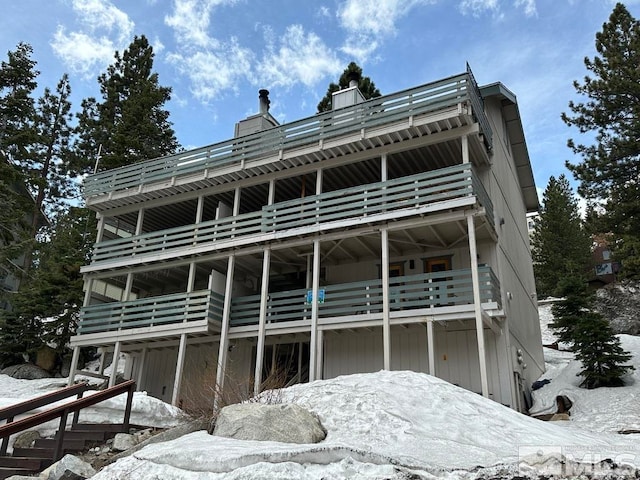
point(46, 358)
point(124, 441)
point(25, 439)
point(69, 467)
point(564, 404)
point(276, 423)
point(560, 417)
point(619, 303)
point(26, 371)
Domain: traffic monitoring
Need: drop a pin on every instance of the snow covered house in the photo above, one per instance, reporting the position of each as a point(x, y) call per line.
point(384, 234)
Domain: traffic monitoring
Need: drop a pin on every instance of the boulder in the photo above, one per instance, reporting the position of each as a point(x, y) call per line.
point(25, 439)
point(26, 371)
point(124, 441)
point(46, 358)
point(276, 423)
point(69, 467)
point(564, 404)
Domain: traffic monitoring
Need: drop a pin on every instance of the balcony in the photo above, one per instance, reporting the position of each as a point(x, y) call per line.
point(428, 293)
point(444, 295)
point(418, 112)
point(194, 312)
point(439, 190)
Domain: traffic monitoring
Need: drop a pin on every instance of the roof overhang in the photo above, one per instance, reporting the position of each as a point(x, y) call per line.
point(512, 119)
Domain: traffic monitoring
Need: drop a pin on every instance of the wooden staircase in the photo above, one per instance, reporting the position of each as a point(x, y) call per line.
point(81, 436)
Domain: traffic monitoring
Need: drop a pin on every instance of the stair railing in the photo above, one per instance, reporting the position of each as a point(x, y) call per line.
point(62, 412)
point(9, 413)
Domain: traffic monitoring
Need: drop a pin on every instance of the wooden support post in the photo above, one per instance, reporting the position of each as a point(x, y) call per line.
point(482, 356)
point(74, 365)
point(223, 348)
point(386, 326)
point(100, 232)
point(262, 321)
point(114, 364)
point(143, 360)
point(432, 348)
point(177, 382)
point(465, 148)
point(103, 359)
point(320, 363)
point(313, 344)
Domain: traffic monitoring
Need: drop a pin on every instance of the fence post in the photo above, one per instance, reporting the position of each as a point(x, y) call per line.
point(59, 450)
point(127, 410)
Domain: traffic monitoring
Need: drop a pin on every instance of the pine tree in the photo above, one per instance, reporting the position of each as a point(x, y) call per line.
point(600, 352)
point(46, 308)
point(130, 123)
point(590, 337)
point(365, 85)
point(17, 134)
point(560, 245)
point(610, 167)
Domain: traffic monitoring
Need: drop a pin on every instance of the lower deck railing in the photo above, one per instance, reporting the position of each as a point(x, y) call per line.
point(411, 292)
point(427, 290)
point(152, 311)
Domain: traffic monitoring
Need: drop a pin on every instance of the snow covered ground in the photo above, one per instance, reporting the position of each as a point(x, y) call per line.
point(145, 410)
point(400, 425)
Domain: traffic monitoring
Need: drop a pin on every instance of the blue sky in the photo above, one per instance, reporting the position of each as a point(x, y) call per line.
point(216, 54)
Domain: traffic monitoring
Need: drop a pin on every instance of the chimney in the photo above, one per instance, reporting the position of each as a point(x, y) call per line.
point(264, 101)
point(354, 79)
point(348, 96)
point(262, 120)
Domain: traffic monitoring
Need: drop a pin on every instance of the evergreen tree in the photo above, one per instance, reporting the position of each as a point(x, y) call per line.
point(560, 245)
point(50, 180)
point(46, 308)
point(590, 336)
point(610, 167)
point(366, 86)
point(17, 134)
point(130, 123)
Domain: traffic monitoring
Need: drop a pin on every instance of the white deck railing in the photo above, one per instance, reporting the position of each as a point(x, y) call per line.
point(379, 111)
point(399, 197)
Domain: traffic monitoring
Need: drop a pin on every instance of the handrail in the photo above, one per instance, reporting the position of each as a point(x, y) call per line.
point(10, 412)
point(377, 111)
point(63, 411)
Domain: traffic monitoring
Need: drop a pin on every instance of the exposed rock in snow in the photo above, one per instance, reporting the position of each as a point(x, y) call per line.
point(276, 423)
point(26, 371)
point(620, 304)
point(69, 467)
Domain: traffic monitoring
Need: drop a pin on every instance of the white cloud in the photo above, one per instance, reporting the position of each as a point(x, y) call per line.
point(369, 21)
point(323, 12)
point(211, 64)
point(105, 29)
point(529, 7)
point(299, 58)
point(478, 7)
point(212, 72)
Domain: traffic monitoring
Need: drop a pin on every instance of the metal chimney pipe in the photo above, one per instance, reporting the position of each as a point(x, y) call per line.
point(264, 101)
point(354, 79)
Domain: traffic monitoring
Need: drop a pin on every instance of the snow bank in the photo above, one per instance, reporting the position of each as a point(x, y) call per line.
point(598, 410)
point(145, 410)
point(391, 423)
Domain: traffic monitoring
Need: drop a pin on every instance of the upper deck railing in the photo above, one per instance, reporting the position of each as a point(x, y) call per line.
point(375, 112)
point(401, 197)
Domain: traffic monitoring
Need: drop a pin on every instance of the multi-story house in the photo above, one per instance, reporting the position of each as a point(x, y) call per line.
point(384, 234)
